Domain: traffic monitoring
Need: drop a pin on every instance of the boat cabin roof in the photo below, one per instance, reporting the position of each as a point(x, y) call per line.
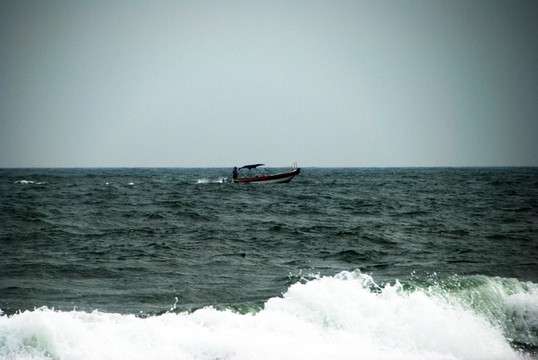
point(250, 167)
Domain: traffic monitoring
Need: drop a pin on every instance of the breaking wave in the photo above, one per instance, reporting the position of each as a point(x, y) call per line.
point(346, 316)
point(29, 182)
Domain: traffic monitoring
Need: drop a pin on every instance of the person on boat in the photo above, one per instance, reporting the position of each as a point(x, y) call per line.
point(235, 172)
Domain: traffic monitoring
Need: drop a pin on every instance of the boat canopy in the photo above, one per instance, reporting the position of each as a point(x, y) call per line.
point(250, 167)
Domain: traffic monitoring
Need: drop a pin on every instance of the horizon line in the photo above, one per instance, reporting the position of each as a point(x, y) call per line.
point(311, 167)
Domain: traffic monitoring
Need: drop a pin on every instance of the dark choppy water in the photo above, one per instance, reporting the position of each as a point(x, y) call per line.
point(340, 263)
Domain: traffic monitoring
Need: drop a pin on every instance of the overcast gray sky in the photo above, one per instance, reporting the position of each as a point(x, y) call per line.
point(223, 83)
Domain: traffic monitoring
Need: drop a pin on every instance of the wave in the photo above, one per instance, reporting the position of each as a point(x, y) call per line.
point(30, 182)
point(209, 181)
point(346, 316)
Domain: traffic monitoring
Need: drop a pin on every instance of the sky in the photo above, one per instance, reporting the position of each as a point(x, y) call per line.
point(221, 83)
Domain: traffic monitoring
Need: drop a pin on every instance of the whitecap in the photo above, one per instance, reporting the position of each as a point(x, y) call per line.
point(25, 182)
point(347, 316)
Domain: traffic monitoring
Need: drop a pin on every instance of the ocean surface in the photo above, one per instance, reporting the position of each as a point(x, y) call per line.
point(360, 263)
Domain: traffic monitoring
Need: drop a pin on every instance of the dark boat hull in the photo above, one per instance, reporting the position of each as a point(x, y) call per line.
point(283, 177)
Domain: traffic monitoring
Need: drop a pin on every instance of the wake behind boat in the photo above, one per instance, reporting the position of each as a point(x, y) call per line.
point(251, 174)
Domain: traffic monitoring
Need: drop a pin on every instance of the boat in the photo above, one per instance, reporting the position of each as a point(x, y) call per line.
point(251, 174)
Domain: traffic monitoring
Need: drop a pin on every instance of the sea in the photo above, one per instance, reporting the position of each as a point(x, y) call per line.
point(340, 263)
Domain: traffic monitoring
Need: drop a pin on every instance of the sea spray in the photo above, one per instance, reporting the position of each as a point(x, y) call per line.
point(509, 304)
point(346, 316)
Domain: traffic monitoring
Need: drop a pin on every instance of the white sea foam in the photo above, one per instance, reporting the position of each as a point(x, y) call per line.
point(208, 181)
point(29, 182)
point(346, 316)
point(24, 182)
